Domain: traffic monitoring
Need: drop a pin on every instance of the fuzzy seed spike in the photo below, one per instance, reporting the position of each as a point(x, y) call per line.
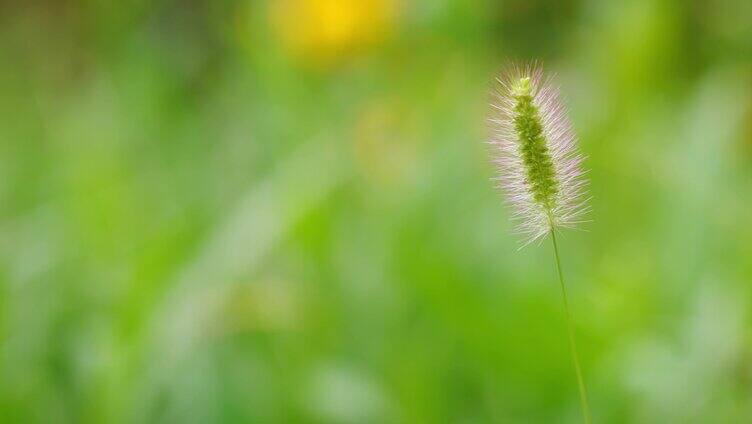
point(535, 151)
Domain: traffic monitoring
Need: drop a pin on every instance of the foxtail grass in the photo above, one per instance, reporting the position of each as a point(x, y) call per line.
point(539, 171)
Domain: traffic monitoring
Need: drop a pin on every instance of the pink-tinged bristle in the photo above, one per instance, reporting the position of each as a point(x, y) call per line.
point(535, 220)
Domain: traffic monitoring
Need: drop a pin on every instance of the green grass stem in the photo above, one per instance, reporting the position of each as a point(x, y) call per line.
point(570, 330)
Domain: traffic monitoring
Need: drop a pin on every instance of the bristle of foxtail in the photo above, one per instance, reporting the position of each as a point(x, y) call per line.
point(535, 153)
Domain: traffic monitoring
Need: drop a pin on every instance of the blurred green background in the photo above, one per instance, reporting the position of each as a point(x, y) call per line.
point(280, 212)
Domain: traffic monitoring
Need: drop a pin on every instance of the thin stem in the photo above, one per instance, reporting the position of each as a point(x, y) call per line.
point(570, 329)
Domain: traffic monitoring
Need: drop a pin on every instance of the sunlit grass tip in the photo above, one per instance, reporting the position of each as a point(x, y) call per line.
point(539, 167)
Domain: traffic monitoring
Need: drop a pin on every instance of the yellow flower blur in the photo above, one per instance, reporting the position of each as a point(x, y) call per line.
point(324, 30)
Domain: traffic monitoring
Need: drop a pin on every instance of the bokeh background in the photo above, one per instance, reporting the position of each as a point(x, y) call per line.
point(280, 212)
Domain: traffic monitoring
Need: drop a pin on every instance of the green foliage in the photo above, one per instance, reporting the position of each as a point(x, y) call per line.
point(198, 225)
